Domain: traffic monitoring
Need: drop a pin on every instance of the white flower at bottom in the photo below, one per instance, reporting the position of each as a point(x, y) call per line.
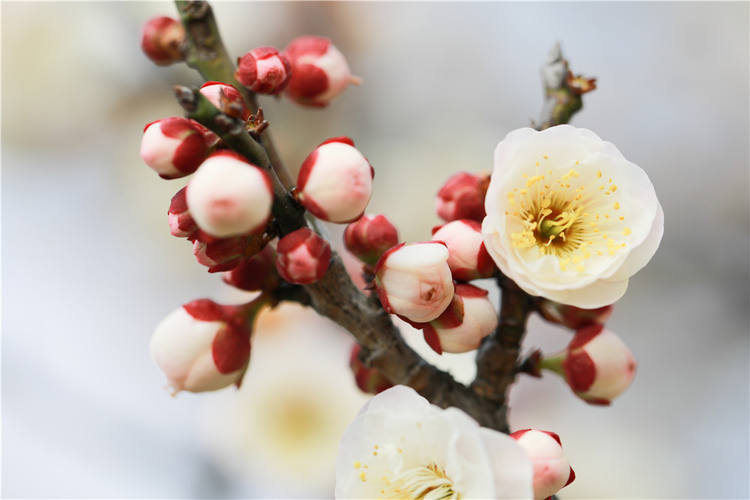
point(568, 217)
point(401, 446)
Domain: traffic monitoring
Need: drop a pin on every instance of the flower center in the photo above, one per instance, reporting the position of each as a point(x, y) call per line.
point(427, 482)
point(571, 215)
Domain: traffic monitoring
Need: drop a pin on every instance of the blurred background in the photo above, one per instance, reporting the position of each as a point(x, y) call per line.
point(89, 267)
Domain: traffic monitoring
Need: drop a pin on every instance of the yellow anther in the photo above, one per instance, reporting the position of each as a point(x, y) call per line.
point(577, 162)
point(546, 157)
point(599, 174)
point(622, 218)
point(601, 188)
point(537, 164)
point(534, 180)
point(613, 188)
point(524, 191)
point(617, 206)
point(626, 231)
point(374, 453)
point(357, 464)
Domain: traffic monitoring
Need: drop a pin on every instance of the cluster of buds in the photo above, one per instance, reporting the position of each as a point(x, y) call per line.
point(204, 346)
point(162, 39)
point(369, 380)
point(552, 471)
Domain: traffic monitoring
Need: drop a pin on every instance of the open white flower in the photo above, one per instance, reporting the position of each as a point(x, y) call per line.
point(568, 217)
point(401, 446)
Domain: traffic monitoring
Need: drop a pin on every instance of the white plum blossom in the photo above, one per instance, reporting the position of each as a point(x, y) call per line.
point(568, 217)
point(401, 446)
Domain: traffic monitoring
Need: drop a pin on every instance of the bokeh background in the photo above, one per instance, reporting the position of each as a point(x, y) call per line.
point(89, 267)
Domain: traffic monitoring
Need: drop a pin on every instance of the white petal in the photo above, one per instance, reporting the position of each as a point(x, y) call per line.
point(641, 255)
point(598, 294)
point(511, 466)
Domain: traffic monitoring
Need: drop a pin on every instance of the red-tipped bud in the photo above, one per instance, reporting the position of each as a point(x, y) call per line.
point(597, 365)
point(226, 98)
point(228, 196)
point(202, 346)
point(162, 39)
point(414, 280)
point(224, 254)
point(462, 197)
point(369, 237)
point(478, 319)
point(468, 259)
point(552, 471)
point(263, 70)
point(369, 380)
point(181, 223)
point(173, 147)
point(302, 257)
point(254, 274)
point(319, 71)
point(335, 181)
point(571, 316)
point(212, 140)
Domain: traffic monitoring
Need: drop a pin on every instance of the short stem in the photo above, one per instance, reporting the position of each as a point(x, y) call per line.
point(554, 364)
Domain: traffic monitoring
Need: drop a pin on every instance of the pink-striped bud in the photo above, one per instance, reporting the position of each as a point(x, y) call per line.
point(173, 147)
point(181, 223)
point(254, 274)
point(462, 197)
point(369, 237)
point(319, 71)
point(161, 40)
point(478, 319)
point(369, 380)
point(573, 317)
point(552, 471)
point(202, 346)
point(226, 98)
point(597, 365)
point(302, 257)
point(414, 280)
point(228, 196)
point(335, 181)
point(263, 70)
point(224, 254)
point(468, 259)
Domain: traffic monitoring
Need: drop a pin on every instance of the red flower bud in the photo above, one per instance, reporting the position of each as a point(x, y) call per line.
point(319, 71)
point(468, 259)
point(463, 332)
point(226, 98)
point(181, 223)
point(161, 40)
point(263, 70)
point(302, 257)
point(571, 316)
point(254, 274)
point(173, 147)
point(224, 254)
point(462, 197)
point(369, 237)
point(369, 380)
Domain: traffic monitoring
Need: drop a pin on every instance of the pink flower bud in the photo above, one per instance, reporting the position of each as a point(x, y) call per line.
point(226, 98)
point(161, 40)
point(571, 316)
point(552, 471)
point(228, 196)
point(319, 71)
point(224, 254)
point(181, 223)
point(369, 380)
point(202, 346)
point(254, 274)
point(414, 280)
point(335, 181)
point(468, 259)
point(598, 365)
point(263, 70)
point(369, 237)
point(302, 257)
point(173, 147)
point(478, 320)
point(462, 197)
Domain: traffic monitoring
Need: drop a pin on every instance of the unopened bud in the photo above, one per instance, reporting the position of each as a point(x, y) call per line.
point(369, 380)
point(181, 223)
point(571, 316)
point(226, 98)
point(255, 273)
point(202, 346)
point(335, 181)
point(319, 71)
point(468, 259)
point(161, 40)
point(414, 280)
point(302, 257)
point(369, 237)
point(173, 147)
point(552, 471)
point(462, 197)
point(263, 70)
point(478, 320)
point(228, 196)
point(597, 365)
point(224, 254)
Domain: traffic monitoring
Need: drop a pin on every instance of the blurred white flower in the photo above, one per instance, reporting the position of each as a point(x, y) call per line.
point(401, 446)
point(568, 217)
